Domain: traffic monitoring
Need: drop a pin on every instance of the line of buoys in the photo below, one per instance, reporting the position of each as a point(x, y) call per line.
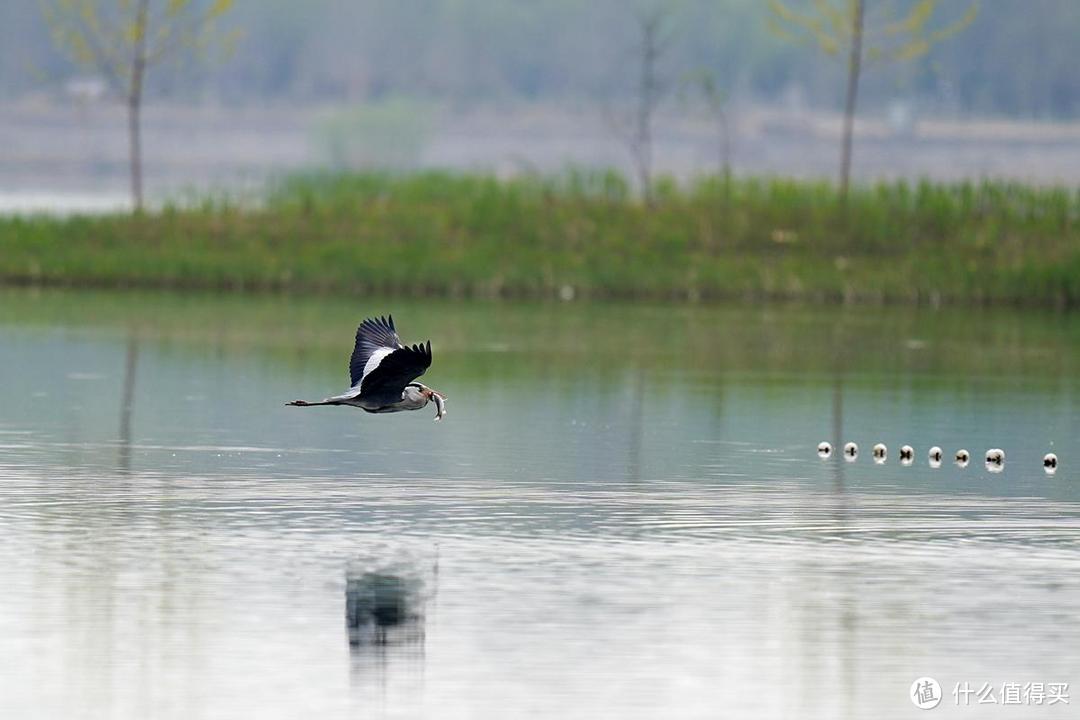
point(995, 457)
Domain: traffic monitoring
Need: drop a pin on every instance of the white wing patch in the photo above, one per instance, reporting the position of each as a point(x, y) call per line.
point(374, 360)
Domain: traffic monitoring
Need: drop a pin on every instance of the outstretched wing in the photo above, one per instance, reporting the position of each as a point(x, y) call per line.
point(379, 360)
point(397, 369)
point(375, 339)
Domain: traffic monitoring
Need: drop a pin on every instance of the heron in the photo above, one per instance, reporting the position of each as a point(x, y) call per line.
point(383, 372)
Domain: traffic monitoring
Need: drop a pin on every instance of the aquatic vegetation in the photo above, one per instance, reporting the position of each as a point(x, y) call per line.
point(581, 234)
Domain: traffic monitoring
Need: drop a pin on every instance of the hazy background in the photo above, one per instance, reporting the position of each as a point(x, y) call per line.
point(515, 85)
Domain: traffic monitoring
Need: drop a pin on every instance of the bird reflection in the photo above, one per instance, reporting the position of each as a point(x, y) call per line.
point(382, 608)
point(385, 621)
point(386, 594)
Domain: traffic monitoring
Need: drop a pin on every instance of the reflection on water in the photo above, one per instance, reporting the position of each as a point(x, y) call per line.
point(624, 517)
point(127, 401)
point(385, 599)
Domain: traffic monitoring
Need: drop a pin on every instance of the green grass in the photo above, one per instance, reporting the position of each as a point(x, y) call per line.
point(468, 235)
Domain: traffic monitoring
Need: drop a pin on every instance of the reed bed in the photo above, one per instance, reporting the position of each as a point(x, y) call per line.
point(580, 234)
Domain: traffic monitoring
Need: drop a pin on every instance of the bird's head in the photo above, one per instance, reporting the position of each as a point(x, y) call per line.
point(429, 395)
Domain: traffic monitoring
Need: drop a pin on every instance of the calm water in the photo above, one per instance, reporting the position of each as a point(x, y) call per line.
point(623, 514)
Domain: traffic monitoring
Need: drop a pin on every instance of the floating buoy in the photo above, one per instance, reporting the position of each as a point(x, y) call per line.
point(935, 456)
point(880, 453)
point(824, 450)
point(995, 459)
point(962, 458)
point(907, 455)
point(851, 451)
point(1050, 463)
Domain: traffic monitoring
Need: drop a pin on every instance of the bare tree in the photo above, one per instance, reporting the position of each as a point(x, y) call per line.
point(704, 85)
point(841, 27)
point(122, 39)
point(635, 127)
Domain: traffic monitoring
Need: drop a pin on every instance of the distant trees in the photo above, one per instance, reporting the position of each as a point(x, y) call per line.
point(122, 39)
point(1018, 58)
point(840, 27)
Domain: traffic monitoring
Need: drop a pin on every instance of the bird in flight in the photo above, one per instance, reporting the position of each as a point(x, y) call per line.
point(383, 373)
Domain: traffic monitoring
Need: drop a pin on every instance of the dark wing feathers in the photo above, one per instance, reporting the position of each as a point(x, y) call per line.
point(373, 334)
point(398, 369)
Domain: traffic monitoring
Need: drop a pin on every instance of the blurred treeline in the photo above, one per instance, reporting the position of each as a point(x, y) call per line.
point(1018, 59)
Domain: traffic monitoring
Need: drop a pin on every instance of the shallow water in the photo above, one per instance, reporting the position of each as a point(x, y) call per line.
point(623, 514)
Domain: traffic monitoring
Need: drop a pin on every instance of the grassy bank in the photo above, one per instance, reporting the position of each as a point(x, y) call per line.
point(582, 234)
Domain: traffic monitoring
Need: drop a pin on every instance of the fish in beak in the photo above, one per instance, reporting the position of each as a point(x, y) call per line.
point(440, 403)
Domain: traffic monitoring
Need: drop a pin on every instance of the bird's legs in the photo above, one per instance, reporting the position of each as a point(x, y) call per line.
point(305, 403)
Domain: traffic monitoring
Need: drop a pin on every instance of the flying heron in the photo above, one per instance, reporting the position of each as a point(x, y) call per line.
point(383, 373)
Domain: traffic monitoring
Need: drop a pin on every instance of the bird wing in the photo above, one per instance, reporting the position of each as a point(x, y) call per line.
point(396, 369)
point(381, 362)
point(375, 339)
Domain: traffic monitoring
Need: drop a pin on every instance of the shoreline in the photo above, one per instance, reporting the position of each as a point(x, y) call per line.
point(580, 235)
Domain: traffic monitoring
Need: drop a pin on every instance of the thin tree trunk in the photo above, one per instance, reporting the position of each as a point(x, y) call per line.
point(854, 68)
point(647, 98)
point(135, 151)
point(134, 103)
point(725, 145)
point(725, 157)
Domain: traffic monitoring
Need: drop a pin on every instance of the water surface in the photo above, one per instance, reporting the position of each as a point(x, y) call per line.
point(623, 515)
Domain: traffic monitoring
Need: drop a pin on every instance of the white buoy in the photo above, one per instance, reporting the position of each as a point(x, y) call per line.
point(935, 456)
point(851, 451)
point(1050, 463)
point(962, 457)
point(824, 450)
point(995, 459)
point(881, 453)
point(907, 455)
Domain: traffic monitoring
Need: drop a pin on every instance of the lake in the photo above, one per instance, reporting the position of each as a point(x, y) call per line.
point(623, 514)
